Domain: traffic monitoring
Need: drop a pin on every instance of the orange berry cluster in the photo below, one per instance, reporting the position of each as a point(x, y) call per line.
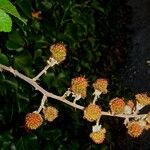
point(98, 136)
point(50, 113)
point(34, 120)
point(101, 85)
point(79, 86)
point(117, 105)
point(143, 99)
point(136, 127)
point(93, 112)
point(58, 52)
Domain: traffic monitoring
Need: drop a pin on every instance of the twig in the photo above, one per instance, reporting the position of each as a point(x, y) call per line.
point(60, 98)
point(123, 115)
point(51, 62)
point(39, 88)
point(42, 103)
point(96, 96)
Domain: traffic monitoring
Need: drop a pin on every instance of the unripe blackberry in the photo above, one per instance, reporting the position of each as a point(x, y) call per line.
point(79, 86)
point(92, 112)
point(101, 85)
point(58, 52)
point(33, 120)
point(50, 113)
point(98, 136)
point(134, 129)
point(117, 105)
point(143, 99)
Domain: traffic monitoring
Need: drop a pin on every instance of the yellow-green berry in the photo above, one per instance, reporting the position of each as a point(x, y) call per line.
point(92, 112)
point(79, 86)
point(58, 52)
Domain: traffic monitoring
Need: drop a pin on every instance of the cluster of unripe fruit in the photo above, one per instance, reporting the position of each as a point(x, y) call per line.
point(34, 120)
point(93, 112)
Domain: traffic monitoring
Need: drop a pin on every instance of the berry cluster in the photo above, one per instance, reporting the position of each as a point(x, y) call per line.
point(118, 107)
point(58, 52)
point(34, 120)
point(93, 112)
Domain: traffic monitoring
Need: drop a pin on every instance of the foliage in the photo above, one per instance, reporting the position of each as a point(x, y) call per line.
point(6, 22)
point(89, 29)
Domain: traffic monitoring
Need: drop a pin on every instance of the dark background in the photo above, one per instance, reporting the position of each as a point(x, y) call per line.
point(94, 32)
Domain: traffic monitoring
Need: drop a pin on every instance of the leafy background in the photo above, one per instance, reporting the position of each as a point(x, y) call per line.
point(94, 34)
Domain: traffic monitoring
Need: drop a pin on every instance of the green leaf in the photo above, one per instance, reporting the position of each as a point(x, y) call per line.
point(25, 7)
point(95, 4)
point(104, 147)
point(8, 7)
point(25, 142)
point(37, 53)
point(15, 41)
point(12, 83)
point(5, 22)
point(3, 59)
point(5, 137)
point(49, 79)
point(47, 4)
point(23, 60)
point(6, 141)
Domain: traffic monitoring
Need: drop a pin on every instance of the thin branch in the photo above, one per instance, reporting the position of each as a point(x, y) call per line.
point(60, 98)
point(51, 62)
point(123, 115)
point(42, 72)
point(96, 96)
point(42, 103)
point(97, 121)
point(39, 88)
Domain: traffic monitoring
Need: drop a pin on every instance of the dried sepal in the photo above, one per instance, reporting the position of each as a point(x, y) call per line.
point(148, 118)
point(127, 110)
point(129, 107)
